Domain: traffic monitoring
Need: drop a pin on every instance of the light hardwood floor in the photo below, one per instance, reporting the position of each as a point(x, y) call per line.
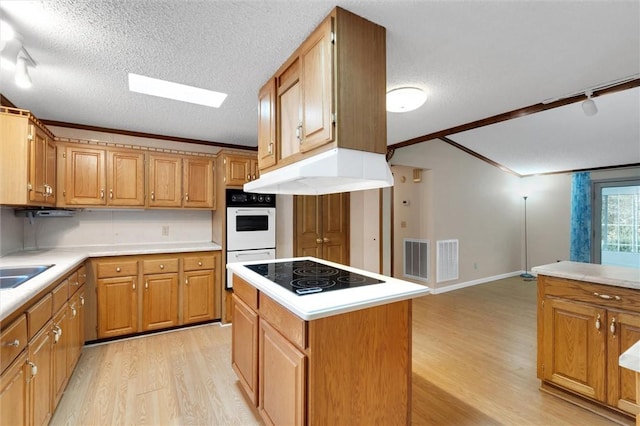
point(474, 363)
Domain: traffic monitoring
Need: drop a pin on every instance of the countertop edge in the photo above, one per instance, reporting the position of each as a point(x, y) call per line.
point(617, 276)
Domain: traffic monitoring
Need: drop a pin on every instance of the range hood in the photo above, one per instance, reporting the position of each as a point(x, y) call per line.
point(336, 170)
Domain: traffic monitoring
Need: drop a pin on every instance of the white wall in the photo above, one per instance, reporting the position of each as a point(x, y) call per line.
point(473, 202)
point(118, 227)
point(11, 231)
point(364, 251)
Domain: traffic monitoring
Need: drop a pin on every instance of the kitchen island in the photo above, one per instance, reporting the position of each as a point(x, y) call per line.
point(328, 357)
point(588, 315)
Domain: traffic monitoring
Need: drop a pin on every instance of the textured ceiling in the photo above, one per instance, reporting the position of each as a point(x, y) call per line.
point(475, 60)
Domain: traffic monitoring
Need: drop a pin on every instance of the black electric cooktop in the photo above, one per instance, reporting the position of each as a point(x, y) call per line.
point(308, 277)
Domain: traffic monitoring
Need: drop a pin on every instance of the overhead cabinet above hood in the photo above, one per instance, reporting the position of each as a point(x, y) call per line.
point(322, 117)
point(337, 170)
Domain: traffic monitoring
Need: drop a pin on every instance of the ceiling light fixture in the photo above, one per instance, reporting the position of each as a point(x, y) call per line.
point(176, 91)
point(22, 77)
point(589, 106)
point(404, 99)
point(6, 31)
point(9, 55)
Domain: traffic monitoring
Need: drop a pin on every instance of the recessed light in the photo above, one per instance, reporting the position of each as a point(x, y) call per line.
point(405, 99)
point(179, 92)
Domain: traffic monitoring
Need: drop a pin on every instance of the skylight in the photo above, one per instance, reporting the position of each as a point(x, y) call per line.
point(179, 92)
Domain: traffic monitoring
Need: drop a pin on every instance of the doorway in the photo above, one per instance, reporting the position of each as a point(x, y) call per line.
point(616, 222)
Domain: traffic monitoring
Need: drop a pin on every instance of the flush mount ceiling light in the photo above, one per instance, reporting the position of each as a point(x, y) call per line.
point(589, 106)
point(176, 91)
point(405, 99)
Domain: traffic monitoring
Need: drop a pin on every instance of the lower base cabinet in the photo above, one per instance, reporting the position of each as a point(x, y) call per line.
point(40, 357)
point(350, 368)
point(583, 328)
point(13, 393)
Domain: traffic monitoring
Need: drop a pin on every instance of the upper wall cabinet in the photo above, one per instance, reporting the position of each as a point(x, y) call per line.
point(330, 93)
point(101, 177)
point(239, 169)
point(181, 182)
point(27, 160)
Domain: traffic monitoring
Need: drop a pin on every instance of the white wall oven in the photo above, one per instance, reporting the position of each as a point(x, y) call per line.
point(251, 227)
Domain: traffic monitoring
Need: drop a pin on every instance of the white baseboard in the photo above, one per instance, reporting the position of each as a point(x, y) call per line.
point(458, 286)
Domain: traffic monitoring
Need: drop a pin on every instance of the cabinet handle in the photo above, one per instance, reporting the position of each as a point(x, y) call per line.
point(15, 343)
point(319, 240)
point(57, 332)
point(254, 177)
point(75, 283)
point(133, 285)
point(153, 196)
point(102, 193)
point(186, 281)
point(146, 285)
point(598, 322)
point(34, 368)
point(111, 194)
point(81, 300)
point(612, 327)
point(73, 312)
point(248, 177)
point(325, 240)
point(606, 296)
point(186, 196)
point(270, 148)
point(299, 132)
point(118, 269)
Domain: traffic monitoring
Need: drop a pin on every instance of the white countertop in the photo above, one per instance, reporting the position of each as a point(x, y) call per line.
point(66, 259)
point(320, 305)
point(631, 358)
point(600, 274)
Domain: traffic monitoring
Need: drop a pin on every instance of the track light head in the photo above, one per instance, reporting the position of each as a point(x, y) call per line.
point(589, 106)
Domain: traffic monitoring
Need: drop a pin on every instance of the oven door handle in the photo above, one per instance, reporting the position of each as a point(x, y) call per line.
point(242, 211)
point(255, 253)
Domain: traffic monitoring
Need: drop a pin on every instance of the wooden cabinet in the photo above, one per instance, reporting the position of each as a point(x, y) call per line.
point(117, 298)
point(165, 181)
point(311, 372)
point(61, 340)
point(201, 286)
point(95, 176)
point(198, 182)
point(13, 393)
point(282, 379)
point(39, 373)
point(583, 328)
point(76, 328)
point(239, 170)
point(27, 160)
point(267, 152)
point(160, 294)
point(244, 349)
point(321, 224)
point(329, 93)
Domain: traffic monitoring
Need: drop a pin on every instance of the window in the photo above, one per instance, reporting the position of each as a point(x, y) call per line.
point(617, 223)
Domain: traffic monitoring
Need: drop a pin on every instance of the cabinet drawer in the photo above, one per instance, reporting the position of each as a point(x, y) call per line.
point(195, 263)
point(39, 314)
point(597, 294)
point(74, 283)
point(159, 266)
point(60, 295)
point(13, 340)
point(82, 275)
point(292, 327)
point(246, 292)
point(118, 268)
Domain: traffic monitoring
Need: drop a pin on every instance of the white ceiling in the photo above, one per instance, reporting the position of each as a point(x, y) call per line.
point(475, 59)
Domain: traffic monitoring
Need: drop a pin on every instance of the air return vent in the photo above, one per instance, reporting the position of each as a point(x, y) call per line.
point(447, 260)
point(416, 259)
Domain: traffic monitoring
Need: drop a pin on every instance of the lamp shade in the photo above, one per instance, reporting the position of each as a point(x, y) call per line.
point(405, 99)
point(589, 107)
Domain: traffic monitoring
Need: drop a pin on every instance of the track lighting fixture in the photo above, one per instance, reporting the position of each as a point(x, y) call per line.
point(14, 56)
point(589, 106)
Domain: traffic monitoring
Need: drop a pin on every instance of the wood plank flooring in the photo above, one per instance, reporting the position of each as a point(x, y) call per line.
point(474, 357)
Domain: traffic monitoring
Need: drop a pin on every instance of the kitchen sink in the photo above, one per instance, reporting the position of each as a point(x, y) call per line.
point(12, 277)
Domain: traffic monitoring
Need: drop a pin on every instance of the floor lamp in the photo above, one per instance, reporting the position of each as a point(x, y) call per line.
point(526, 275)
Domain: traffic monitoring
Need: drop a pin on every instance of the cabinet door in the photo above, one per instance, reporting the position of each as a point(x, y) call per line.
point(126, 178)
point(623, 332)
point(308, 225)
point(165, 185)
point(86, 176)
point(61, 335)
point(75, 331)
point(289, 115)
point(237, 170)
point(244, 347)
point(316, 76)
point(199, 298)
point(574, 340)
point(13, 393)
point(40, 356)
point(267, 125)
point(37, 165)
point(160, 301)
point(197, 179)
point(117, 306)
point(281, 379)
point(51, 170)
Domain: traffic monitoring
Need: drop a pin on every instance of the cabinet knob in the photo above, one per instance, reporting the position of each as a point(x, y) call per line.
point(319, 240)
point(199, 263)
point(118, 269)
point(161, 266)
point(15, 343)
point(325, 240)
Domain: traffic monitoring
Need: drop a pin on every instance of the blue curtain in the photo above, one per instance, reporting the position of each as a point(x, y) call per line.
point(580, 250)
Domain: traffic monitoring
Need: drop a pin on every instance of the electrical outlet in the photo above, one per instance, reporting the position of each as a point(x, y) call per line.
point(165, 231)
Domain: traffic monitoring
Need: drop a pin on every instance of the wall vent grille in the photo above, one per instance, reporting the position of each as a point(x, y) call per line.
point(447, 260)
point(416, 259)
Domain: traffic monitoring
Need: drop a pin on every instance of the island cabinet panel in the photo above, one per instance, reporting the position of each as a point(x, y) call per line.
point(583, 328)
point(244, 350)
point(370, 353)
point(282, 379)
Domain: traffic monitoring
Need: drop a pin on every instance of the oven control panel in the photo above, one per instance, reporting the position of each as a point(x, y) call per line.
point(239, 198)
